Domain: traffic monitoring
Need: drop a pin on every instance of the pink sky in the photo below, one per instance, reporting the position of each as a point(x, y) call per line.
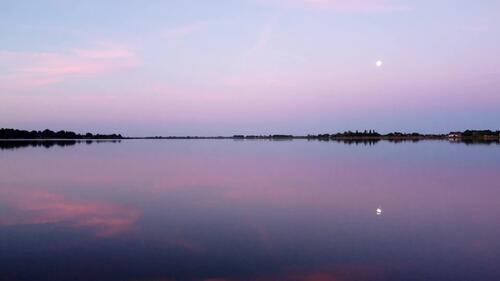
point(259, 66)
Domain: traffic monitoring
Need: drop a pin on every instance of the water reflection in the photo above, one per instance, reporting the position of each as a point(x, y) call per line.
point(15, 144)
point(9, 144)
point(224, 210)
point(475, 141)
point(25, 207)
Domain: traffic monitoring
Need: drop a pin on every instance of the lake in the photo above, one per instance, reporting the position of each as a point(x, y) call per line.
point(250, 210)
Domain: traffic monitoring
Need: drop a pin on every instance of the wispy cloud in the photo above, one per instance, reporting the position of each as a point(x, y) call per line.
point(107, 50)
point(180, 32)
point(343, 5)
point(24, 70)
point(263, 39)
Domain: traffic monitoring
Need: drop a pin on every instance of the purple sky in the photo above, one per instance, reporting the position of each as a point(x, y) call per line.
point(226, 67)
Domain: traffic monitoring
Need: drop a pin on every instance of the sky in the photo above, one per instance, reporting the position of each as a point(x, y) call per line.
point(224, 67)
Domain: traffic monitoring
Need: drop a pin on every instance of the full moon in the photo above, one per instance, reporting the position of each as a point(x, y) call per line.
point(379, 63)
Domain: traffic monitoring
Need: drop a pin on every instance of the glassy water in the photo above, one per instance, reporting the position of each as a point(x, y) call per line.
point(250, 210)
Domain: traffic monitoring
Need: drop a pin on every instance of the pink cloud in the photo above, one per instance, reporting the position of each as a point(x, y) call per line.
point(26, 70)
point(106, 51)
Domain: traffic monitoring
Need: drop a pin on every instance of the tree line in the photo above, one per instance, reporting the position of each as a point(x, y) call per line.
point(48, 134)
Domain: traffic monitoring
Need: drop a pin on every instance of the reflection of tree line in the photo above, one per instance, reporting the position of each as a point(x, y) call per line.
point(46, 143)
point(374, 141)
point(64, 143)
point(477, 141)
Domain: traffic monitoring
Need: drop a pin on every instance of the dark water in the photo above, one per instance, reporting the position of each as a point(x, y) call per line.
point(250, 210)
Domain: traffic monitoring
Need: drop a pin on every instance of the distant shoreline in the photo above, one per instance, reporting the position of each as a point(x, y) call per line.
point(16, 134)
point(48, 135)
point(47, 143)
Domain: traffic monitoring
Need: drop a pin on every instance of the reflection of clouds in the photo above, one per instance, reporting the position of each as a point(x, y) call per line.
point(38, 207)
point(181, 243)
point(345, 272)
point(337, 273)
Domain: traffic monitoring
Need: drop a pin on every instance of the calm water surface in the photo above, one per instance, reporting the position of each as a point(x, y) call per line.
point(250, 210)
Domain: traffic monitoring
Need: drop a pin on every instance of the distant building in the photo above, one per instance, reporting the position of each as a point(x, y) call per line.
point(454, 135)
